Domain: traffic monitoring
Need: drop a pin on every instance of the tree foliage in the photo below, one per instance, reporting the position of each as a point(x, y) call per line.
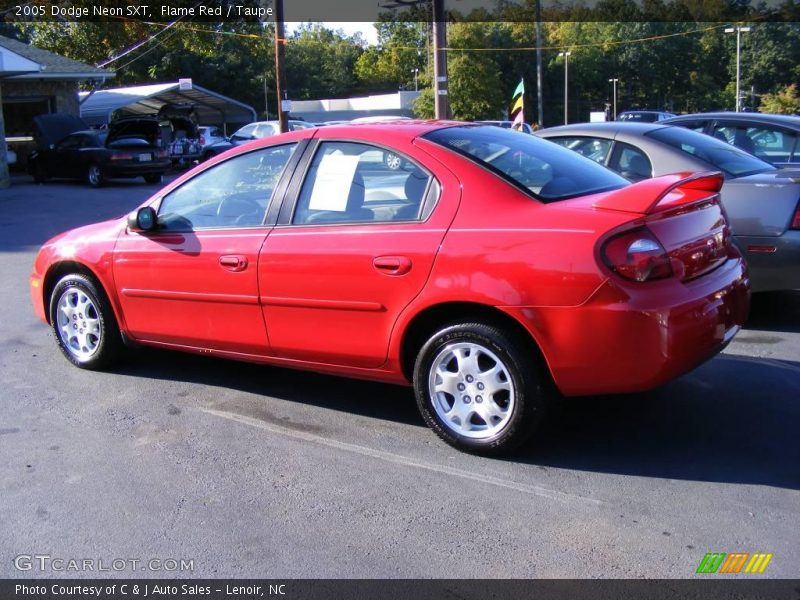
point(677, 65)
point(785, 102)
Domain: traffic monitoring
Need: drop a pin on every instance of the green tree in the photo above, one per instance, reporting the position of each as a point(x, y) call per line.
point(785, 102)
point(321, 63)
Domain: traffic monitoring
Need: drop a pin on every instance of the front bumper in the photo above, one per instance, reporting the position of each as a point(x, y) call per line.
point(630, 338)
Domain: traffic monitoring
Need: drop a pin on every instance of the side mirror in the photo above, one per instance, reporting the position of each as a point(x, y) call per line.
point(144, 219)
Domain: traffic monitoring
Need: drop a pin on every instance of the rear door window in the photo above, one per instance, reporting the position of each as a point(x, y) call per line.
point(351, 182)
point(631, 162)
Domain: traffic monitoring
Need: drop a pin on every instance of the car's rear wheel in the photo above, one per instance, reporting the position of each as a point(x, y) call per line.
point(480, 388)
point(152, 178)
point(84, 323)
point(94, 175)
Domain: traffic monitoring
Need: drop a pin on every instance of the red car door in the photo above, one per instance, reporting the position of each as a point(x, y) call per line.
point(194, 280)
point(353, 246)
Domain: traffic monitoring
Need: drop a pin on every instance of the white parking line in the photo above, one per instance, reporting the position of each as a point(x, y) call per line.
point(408, 462)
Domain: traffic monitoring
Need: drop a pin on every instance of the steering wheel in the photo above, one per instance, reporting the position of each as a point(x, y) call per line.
point(240, 208)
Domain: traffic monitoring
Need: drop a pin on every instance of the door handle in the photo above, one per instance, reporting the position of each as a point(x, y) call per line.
point(233, 262)
point(392, 265)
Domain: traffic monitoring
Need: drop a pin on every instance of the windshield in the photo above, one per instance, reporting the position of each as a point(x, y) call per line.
point(723, 156)
point(541, 168)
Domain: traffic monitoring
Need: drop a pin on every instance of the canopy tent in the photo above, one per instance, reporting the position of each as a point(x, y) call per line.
point(211, 108)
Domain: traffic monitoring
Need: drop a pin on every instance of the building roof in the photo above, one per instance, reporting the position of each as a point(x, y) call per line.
point(50, 65)
point(210, 107)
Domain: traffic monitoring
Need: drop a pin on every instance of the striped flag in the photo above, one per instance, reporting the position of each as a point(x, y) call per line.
point(518, 104)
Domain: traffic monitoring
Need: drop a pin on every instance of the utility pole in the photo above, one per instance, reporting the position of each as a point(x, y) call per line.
point(441, 100)
point(280, 54)
point(539, 93)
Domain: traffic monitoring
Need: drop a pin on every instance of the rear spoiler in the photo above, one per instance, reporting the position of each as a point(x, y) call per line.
point(661, 193)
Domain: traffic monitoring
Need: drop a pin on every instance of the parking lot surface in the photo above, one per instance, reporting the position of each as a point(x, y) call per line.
point(253, 471)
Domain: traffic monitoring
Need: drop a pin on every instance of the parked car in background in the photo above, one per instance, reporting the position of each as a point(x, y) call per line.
point(772, 138)
point(210, 134)
point(67, 148)
point(762, 202)
point(644, 116)
point(507, 125)
point(250, 132)
point(489, 270)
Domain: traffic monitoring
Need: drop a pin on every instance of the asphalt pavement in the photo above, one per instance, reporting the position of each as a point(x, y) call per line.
point(253, 471)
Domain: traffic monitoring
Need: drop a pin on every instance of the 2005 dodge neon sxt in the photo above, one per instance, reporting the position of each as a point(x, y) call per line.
point(489, 269)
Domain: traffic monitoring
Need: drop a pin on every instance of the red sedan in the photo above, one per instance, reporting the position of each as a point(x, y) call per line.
point(490, 270)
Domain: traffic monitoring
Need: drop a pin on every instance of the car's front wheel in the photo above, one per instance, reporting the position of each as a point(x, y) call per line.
point(95, 177)
point(480, 388)
point(84, 323)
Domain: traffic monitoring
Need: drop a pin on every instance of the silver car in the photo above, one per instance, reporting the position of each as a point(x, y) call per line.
point(762, 202)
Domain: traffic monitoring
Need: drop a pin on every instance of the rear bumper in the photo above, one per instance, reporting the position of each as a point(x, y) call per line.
point(138, 169)
point(630, 338)
point(777, 269)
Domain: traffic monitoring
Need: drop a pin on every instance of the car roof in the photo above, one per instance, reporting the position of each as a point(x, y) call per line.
point(792, 121)
point(608, 128)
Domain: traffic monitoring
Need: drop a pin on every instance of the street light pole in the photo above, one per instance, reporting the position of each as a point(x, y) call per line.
point(566, 56)
point(739, 31)
point(614, 84)
point(416, 81)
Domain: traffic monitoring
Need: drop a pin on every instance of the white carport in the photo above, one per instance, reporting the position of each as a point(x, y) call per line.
point(211, 108)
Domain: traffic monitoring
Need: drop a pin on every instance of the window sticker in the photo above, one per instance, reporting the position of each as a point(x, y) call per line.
point(333, 181)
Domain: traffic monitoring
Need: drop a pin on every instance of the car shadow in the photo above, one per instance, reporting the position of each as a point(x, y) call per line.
point(733, 420)
point(365, 398)
point(775, 311)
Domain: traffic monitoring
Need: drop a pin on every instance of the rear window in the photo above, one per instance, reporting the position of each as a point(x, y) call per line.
point(540, 168)
point(722, 156)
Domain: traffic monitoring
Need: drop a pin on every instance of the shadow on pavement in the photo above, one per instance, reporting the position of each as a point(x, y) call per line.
point(733, 420)
point(775, 311)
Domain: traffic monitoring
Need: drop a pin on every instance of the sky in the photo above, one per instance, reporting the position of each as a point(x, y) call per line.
point(366, 30)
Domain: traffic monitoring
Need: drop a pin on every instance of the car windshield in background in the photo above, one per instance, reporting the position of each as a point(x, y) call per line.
point(726, 158)
point(541, 168)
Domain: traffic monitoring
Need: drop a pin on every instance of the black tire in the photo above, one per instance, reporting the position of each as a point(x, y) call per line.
point(38, 173)
point(104, 344)
point(153, 178)
point(530, 382)
point(95, 176)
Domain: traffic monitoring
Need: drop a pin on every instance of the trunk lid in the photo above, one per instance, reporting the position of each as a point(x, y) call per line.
point(683, 212)
point(50, 129)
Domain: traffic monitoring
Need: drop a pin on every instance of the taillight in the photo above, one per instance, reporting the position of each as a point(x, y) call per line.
point(202, 140)
point(637, 255)
point(796, 220)
point(121, 156)
point(162, 153)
